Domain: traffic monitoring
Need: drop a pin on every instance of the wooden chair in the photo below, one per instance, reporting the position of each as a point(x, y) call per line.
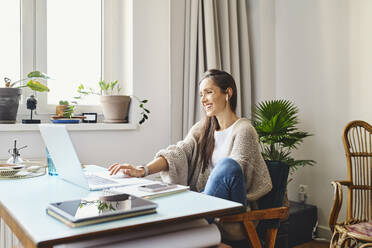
point(356, 230)
point(270, 211)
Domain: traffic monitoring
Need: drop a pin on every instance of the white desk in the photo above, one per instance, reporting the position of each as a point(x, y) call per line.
point(23, 203)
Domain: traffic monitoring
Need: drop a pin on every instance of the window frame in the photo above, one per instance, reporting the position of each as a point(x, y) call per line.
point(114, 65)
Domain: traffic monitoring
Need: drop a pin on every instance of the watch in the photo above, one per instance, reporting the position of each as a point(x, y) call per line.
point(145, 168)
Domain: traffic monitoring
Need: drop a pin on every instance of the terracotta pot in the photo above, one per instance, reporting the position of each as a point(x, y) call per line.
point(9, 101)
point(115, 108)
point(60, 110)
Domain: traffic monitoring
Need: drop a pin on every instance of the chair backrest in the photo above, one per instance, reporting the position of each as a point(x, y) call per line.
point(279, 176)
point(357, 139)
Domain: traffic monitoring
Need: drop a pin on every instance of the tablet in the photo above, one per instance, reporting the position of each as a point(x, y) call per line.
point(99, 209)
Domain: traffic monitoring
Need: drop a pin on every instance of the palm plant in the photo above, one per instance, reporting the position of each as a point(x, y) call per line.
point(275, 122)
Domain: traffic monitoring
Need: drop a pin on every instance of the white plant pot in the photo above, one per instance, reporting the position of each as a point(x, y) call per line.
point(115, 108)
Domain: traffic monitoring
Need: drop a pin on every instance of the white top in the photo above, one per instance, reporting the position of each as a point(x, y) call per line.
point(221, 144)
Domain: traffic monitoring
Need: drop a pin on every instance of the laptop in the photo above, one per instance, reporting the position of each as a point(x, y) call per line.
point(67, 163)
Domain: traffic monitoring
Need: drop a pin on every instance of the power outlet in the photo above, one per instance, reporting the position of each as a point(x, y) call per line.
point(303, 188)
point(302, 193)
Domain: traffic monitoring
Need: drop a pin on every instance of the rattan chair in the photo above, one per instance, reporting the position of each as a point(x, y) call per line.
point(356, 230)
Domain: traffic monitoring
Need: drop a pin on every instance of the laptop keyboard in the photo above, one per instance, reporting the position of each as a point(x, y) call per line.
point(96, 180)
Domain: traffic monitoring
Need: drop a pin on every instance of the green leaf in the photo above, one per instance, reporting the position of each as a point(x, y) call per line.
point(141, 105)
point(112, 84)
point(102, 85)
point(37, 86)
point(145, 101)
point(37, 74)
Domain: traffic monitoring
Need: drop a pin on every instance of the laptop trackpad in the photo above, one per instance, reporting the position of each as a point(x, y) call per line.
point(96, 180)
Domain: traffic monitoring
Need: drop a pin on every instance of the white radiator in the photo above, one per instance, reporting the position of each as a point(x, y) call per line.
point(7, 238)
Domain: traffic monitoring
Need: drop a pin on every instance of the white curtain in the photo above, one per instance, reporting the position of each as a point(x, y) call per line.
point(206, 34)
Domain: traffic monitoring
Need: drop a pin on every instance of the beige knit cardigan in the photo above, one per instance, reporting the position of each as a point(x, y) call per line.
point(185, 163)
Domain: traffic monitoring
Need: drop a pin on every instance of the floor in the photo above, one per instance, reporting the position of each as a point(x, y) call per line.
point(314, 244)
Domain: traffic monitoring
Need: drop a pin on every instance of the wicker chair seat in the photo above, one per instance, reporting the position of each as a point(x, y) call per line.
point(352, 235)
point(362, 230)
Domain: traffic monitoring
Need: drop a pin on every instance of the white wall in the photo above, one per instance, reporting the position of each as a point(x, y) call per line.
point(261, 21)
point(323, 59)
point(150, 81)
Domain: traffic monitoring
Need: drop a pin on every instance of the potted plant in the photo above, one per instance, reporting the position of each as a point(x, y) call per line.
point(65, 109)
point(276, 124)
point(11, 92)
point(115, 106)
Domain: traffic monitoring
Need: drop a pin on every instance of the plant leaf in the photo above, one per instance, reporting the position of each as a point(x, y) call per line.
point(37, 74)
point(37, 86)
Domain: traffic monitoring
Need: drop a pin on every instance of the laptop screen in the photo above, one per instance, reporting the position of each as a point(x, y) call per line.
point(63, 153)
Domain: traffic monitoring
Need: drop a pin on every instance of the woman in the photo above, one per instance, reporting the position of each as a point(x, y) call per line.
point(220, 155)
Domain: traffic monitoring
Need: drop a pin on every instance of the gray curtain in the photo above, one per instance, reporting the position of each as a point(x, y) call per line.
point(206, 34)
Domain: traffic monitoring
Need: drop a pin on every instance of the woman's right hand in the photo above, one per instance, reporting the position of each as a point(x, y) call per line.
point(127, 169)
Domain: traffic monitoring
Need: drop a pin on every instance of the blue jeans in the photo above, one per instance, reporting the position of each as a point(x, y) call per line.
point(226, 181)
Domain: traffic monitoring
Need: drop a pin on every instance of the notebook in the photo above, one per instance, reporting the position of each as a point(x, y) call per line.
point(87, 211)
point(67, 163)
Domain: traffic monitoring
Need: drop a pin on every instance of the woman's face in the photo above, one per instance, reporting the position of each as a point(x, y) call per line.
point(212, 98)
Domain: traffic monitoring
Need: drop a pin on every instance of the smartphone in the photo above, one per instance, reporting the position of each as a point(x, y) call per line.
point(157, 187)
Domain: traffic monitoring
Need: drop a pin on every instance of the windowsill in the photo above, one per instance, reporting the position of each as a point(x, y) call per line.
point(19, 127)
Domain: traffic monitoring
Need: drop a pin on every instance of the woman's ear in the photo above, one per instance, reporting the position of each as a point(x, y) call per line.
point(229, 93)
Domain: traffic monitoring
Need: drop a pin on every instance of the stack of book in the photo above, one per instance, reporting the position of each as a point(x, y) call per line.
point(94, 210)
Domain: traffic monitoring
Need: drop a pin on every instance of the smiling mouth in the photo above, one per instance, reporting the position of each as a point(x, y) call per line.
point(208, 107)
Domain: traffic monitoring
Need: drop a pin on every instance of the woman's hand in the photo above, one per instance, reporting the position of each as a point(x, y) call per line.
point(127, 169)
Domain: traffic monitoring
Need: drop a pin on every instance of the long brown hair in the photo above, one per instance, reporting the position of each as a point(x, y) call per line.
point(224, 81)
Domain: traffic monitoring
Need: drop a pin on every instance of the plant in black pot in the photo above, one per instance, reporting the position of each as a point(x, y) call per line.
point(276, 124)
point(11, 92)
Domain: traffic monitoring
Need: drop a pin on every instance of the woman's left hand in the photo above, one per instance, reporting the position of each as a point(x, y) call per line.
point(128, 169)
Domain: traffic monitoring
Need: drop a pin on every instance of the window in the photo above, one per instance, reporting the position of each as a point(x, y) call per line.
point(73, 50)
point(73, 41)
point(10, 26)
